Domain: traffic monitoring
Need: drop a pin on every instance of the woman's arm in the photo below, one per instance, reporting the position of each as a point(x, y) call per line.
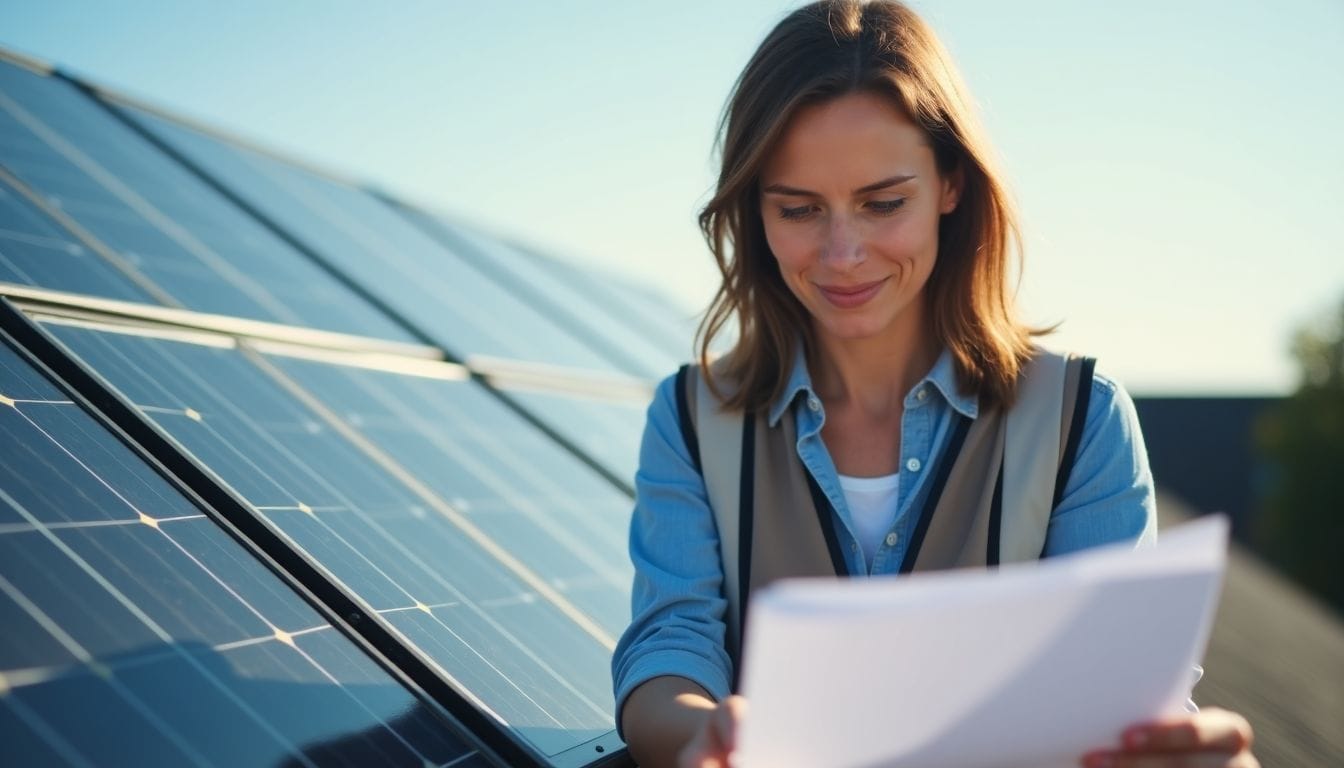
point(662, 716)
point(670, 665)
point(1109, 495)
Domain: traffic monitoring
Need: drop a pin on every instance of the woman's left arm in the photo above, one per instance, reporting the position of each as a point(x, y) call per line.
point(1109, 497)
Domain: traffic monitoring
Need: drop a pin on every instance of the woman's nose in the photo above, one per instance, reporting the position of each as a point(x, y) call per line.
point(843, 248)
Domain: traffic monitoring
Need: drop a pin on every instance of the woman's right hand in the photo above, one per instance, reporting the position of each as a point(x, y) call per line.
point(716, 737)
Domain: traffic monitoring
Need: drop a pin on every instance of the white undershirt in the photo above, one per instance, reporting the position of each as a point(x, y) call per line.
point(872, 508)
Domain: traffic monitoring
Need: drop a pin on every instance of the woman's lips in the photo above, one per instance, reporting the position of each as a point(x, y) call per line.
point(850, 296)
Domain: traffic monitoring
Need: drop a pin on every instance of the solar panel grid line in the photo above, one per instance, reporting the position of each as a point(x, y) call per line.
point(277, 633)
point(88, 239)
point(183, 237)
point(426, 494)
point(117, 416)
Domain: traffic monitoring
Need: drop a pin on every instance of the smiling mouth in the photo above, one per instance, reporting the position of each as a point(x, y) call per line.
point(851, 296)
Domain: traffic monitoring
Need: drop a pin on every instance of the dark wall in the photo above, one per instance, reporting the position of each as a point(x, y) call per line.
point(1202, 449)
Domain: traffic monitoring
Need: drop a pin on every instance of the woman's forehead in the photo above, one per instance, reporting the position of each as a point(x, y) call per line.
point(850, 140)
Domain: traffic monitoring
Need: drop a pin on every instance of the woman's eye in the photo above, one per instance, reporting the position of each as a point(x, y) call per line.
point(885, 206)
point(795, 214)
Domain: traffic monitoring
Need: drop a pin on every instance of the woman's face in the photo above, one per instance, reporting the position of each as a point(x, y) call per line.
point(850, 200)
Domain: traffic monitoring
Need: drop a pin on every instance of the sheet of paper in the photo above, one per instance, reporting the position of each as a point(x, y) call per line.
point(1029, 665)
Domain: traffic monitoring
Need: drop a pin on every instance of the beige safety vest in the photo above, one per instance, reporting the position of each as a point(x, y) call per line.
point(996, 483)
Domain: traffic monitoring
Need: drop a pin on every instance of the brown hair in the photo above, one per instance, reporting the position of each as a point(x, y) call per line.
point(820, 52)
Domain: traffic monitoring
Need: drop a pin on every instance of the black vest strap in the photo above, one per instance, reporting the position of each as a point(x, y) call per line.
point(746, 516)
point(686, 419)
point(945, 463)
point(1080, 403)
point(995, 520)
point(826, 518)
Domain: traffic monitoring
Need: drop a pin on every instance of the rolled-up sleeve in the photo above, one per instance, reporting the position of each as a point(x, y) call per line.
point(677, 605)
point(1109, 495)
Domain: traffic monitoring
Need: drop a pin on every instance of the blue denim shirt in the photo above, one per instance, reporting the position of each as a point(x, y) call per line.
point(676, 604)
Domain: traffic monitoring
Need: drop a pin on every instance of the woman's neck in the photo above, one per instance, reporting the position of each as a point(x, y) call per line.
point(873, 374)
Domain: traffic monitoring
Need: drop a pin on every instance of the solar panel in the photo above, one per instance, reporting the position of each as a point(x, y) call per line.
point(137, 631)
point(453, 303)
point(494, 553)
point(608, 429)
point(35, 250)
point(582, 305)
point(181, 236)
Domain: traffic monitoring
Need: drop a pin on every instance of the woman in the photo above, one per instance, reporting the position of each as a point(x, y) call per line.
point(865, 243)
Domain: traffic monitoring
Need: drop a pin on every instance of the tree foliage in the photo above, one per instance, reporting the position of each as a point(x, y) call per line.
point(1301, 527)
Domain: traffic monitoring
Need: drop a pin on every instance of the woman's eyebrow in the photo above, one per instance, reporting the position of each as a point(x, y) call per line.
point(784, 189)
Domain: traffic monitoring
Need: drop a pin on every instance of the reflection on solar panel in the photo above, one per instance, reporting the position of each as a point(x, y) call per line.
point(452, 302)
point(580, 305)
point(300, 548)
point(35, 250)
point(479, 543)
point(139, 632)
point(179, 234)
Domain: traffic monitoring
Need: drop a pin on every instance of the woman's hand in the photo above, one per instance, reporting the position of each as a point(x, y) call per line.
point(716, 737)
point(1211, 737)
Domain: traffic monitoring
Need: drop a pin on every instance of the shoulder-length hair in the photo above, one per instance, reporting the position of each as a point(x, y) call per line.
point(818, 53)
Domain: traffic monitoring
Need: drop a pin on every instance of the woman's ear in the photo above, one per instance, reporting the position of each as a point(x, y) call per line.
point(952, 185)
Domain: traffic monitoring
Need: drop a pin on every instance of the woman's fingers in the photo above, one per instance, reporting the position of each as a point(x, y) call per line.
point(726, 720)
point(1187, 760)
point(1210, 729)
point(716, 738)
point(1213, 737)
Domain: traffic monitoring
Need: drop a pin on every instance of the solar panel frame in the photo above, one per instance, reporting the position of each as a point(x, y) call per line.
point(601, 751)
point(32, 345)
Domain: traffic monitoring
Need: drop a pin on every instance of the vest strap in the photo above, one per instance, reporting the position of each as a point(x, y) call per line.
point(945, 462)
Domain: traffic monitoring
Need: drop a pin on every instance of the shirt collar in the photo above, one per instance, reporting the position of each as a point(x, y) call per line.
point(942, 377)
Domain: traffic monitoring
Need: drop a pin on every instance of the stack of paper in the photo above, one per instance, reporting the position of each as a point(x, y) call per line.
point(1027, 665)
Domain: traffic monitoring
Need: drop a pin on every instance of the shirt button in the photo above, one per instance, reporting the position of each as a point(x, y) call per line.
point(853, 546)
point(921, 394)
point(913, 465)
point(814, 403)
point(892, 538)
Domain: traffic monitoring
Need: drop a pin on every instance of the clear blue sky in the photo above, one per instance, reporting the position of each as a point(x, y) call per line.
point(1179, 164)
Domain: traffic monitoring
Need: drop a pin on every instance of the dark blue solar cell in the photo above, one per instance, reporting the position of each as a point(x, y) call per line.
point(464, 310)
point(137, 632)
point(183, 236)
point(515, 583)
point(35, 250)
